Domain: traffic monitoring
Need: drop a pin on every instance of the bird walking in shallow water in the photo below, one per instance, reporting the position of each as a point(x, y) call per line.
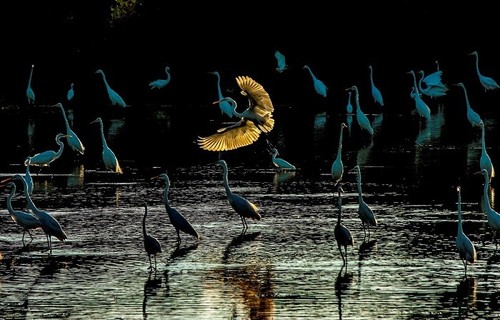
point(488, 83)
point(342, 234)
point(114, 97)
point(365, 212)
point(151, 244)
point(465, 247)
point(45, 158)
point(108, 156)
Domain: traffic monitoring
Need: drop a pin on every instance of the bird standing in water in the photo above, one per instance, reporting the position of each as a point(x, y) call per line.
point(488, 83)
point(151, 244)
point(337, 170)
point(319, 86)
point(376, 94)
point(465, 247)
point(45, 158)
point(365, 212)
point(342, 234)
point(108, 156)
point(114, 97)
point(30, 94)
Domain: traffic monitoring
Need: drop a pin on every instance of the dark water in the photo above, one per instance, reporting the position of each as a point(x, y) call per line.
point(284, 266)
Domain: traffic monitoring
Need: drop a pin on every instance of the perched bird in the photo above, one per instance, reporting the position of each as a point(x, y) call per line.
point(115, 98)
point(280, 162)
point(108, 156)
point(242, 206)
point(151, 244)
point(361, 117)
point(45, 158)
point(473, 117)
point(71, 92)
point(281, 61)
point(485, 160)
point(337, 170)
point(342, 234)
point(160, 83)
point(492, 215)
point(27, 175)
point(24, 219)
point(256, 119)
point(348, 107)
point(224, 105)
point(488, 83)
point(179, 222)
point(73, 141)
point(377, 95)
point(422, 108)
point(319, 86)
point(365, 212)
point(466, 249)
point(30, 94)
point(433, 86)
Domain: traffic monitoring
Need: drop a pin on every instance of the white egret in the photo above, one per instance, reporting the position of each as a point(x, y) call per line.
point(45, 158)
point(280, 162)
point(114, 97)
point(337, 169)
point(108, 156)
point(377, 95)
point(151, 244)
point(73, 141)
point(485, 160)
point(27, 175)
point(488, 83)
point(492, 215)
point(422, 108)
point(365, 212)
point(281, 61)
point(465, 247)
point(224, 105)
point(433, 87)
point(179, 222)
point(342, 234)
point(30, 94)
point(472, 116)
point(240, 205)
point(71, 92)
point(319, 86)
point(348, 107)
point(361, 117)
point(160, 83)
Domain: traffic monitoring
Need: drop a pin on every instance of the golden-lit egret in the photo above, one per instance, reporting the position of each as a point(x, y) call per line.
point(342, 234)
point(319, 86)
point(365, 212)
point(256, 119)
point(280, 162)
point(26, 220)
point(488, 83)
point(160, 83)
point(337, 170)
point(224, 105)
point(485, 160)
point(492, 215)
point(422, 108)
point(30, 94)
point(73, 141)
point(281, 61)
point(242, 206)
point(433, 86)
point(71, 92)
point(151, 244)
point(377, 95)
point(466, 249)
point(108, 156)
point(179, 222)
point(348, 107)
point(361, 117)
point(45, 158)
point(472, 116)
point(114, 97)
point(27, 175)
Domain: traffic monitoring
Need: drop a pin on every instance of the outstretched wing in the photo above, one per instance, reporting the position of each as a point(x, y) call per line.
point(262, 103)
point(240, 134)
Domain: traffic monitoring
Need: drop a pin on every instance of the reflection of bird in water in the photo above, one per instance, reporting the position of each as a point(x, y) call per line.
point(363, 121)
point(341, 285)
point(488, 83)
point(27, 175)
point(365, 212)
point(319, 86)
point(108, 156)
point(30, 94)
point(151, 285)
point(280, 177)
point(114, 97)
point(492, 215)
point(280, 61)
point(377, 95)
point(225, 106)
point(73, 141)
point(160, 83)
point(485, 160)
point(182, 252)
point(466, 249)
point(256, 119)
point(71, 92)
point(45, 158)
point(472, 116)
point(337, 169)
point(243, 207)
point(466, 294)
point(177, 220)
point(281, 163)
point(342, 234)
point(151, 244)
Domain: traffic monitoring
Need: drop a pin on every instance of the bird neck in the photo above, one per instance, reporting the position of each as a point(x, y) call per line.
point(61, 148)
point(165, 195)
point(359, 185)
point(420, 81)
point(64, 116)
point(310, 72)
point(477, 65)
point(226, 180)
point(31, 75)
point(339, 149)
point(339, 218)
point(415, 85)
point(104, 80)
point(371, 76)
point(31, 205)
point(459, 210)
point(9, 199)
point(483, 140)
point(103, 137)
point(486, 195)
point(466, 98)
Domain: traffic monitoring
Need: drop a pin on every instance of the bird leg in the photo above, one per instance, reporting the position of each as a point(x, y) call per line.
point(342, 255)
point(245, 225)
point(178, 236)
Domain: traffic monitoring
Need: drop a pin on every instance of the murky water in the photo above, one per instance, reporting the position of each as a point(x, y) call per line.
point(284, 266)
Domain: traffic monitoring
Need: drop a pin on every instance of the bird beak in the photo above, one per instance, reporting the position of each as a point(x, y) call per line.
point(215, 102)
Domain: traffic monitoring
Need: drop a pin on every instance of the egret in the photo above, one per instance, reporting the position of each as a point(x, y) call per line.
point(377, 95)
point(256, 119)
point(179, 222)
point(337, 169)
point(115, 98)
point(108, 156)
point(485, 160)
point(30, 94)
point(492, 215)
point(24, 219)
point(422, 108)
point(361, 117)
point(466, 249)
point(73, 141)
point(319, 86)
point(488, 83)
point(280, 162)
point(342, 234)
point(348, 107)
point(225, 107)
point(281, 61)
point(433, 87)
point(71, 92)
point(242, 206)
point(151, 244)
point(160, 83)
point(365, 212)
point(45, 158)
point(472, 116)
point(27, 175)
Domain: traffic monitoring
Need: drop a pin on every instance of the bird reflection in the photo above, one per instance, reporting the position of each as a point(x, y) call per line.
point(151, 286)
point(348, 121)
point(76, 177)
point(182, 252)
point(466, 295)
point(432, 129)
point(239, 240)
point(282, 176)
point(341, 286)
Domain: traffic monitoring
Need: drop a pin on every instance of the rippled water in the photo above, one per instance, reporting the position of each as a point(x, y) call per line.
point(284, 266)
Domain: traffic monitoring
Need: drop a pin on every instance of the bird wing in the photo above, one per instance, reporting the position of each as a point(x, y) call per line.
point(240, 134)
point(262, 103)
point(434, 79)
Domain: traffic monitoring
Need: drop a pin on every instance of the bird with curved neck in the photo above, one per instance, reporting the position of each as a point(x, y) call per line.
point(485, 160)
point(473, 117)
point(487, 83)
point(45, 158)
point(108, 156)
point(30, 94)
point(365, 212)
point(114, 97)
point(492, 215)
point(433, 90)
point(342, 233)
point(337, 169)
point(224, 105)
point(27, 175)
point(319, 86)
point(73, 141)
point(280, 162)
point(465, 247)
point(422, 108)
point(161, 83)
point(361, 117)
point(151, 244)
point(376, 94)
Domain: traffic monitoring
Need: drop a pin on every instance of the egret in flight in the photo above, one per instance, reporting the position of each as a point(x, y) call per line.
point(319, 86)
point(30, 94)
point(361, 117)
point(73, 141)
point(108, 156)
point(161, 83)
point(365, 212)
point(342, 234)
point(466, 249)
point(473, 117)
point(151, 244)
point(488, 83)
point(492, 215)
point(224, 105)
point(115, 98)
point(377, 95)
point(280, 162)
point(45, 158)
point(281, 61)
point(71, 92)
point(337, 170)
point(179, 222)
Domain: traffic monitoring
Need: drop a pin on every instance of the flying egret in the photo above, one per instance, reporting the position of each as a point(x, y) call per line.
point(466, 249)
point(115, 98)
point(492, 215)
point(488, 83)
point(342, 234)
point(256, 119)
point(361, 117)
point(337, 170)
point(433, 87)
point(71, 92)
point(30, 94)
point(319, 86)
point(27, 175)
point(160, 83)
point(224, 105)
point(472, 116)
point(242, 206)
point(348, 107)
point(24, 219)
point(422, 108)
point(485, 160)
point(45, 158)
point(108, 156)
point(280, 162)
point(73, 141)
point(281, 61)
point(377, 95)
point(365, 212)
point(151, 244)
point(179, 222)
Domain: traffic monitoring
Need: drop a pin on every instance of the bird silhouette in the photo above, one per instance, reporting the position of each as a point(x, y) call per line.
point(280, 61)
point(224, 105)
point(30, 94)
point(361, 117)
point(161, 83)
point(365, 212)
point(45, 158)
point(71, 92)
point(422, 108)
point(177, 220)
point(492, 215)
point(465, 247)
point(27, 175)
point(73, 141)
point(108, 156)
point(319, 86)
point(485, 160)
point(244, 208)
point(337, 169)
point(114, 97)
point(348, 107)
point(151, 244)
point(342, 234)
point(473, 117)
point(376, 94)
point(280, 162)
point(488, 83)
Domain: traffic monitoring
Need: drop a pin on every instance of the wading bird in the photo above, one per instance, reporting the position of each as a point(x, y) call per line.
point(472, 116)
point(108, 156)
point(466, 249)
point(177, 220)
point(73, 141)
point(342, 234)
point(376, 94)
point(337, 169)
point(280, 162)
point(488, 83)
point(492, 215)
point(242, 206)
point(281, 61)
point(485, 160)
point(365, 212)
point(115, 98)
point(433, 87)
point(71, 92)
point(45, 158)
point(361, 117)
point(422, 108)
point(160, 83)
point(151, 244)
point(30, 94)
point(224, 105)
point(27, 175)
point(319, 86)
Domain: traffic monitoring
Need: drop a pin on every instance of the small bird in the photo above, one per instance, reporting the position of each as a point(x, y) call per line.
point(161, 83)
point(151, 244)
point(114, 97)
point(45, 158)
point(361, 117)
point(342, 234)
point(224, 105)
point(281, 61)
point(473, 117)
point(319, 86)
point(73, 141)
point(108, 156)
point(466, 249)
point(376, 94)
point(71, 92)
point(280, 162)
point(488, 83)
point(30, 94)
point(337, 169)
point(365, 212)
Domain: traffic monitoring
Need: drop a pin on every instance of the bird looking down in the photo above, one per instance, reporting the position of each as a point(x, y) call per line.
point(72, 139)
point(108, 156)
